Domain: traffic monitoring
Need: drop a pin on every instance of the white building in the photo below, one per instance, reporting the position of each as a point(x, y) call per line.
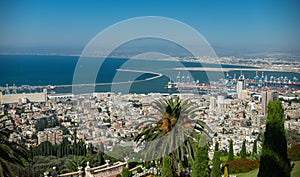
point(240, 85)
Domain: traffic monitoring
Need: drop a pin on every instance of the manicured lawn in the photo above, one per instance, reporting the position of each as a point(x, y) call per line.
point(296, 169)
point(253, 173)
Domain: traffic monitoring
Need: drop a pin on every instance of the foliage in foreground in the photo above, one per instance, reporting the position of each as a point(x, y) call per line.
point(173, 131)
point(200, 166)
point(126, 172)
point(166, 169)
point(216, 171)
point(12, 155)
point(274, 160)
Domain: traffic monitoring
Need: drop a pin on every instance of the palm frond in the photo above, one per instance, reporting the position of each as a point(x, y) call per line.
point(173, 130)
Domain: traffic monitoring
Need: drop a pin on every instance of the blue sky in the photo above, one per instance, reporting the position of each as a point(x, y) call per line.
point(266, 24)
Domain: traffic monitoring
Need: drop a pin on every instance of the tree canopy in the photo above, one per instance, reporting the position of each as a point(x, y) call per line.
point(172, 131)
point(274, 160)
point(12, 154)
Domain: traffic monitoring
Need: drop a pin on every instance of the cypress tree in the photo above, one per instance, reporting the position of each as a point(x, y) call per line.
point(254, 149)
point(59, 151)
point(200, 166)
point(90, 149)
point(65, 147)
point(230, 153)
point(274, 160)
point(217, 146)
point(216, 171)
point(166, 169)
point(243, 153)
point(101, 159)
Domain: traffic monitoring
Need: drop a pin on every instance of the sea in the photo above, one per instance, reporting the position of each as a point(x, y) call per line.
point(44, 70)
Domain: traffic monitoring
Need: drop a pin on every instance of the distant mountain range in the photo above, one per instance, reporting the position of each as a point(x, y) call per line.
point(170, 49)
point(260, 53)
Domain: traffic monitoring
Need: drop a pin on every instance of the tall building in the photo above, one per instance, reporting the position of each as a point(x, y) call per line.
point(220, 100)
point(222, 104)
point(213, 103)
point(267, 96)
point(240, 85)
point(53, 135)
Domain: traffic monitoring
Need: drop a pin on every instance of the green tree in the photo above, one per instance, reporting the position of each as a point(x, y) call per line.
point(243, 153)
point(79, 148)
point(45, 149)
point(230, 153)
point(77, 161)
point(274, 160)
point(254, 149)
point(200, 165)
point(126, 172)
point(59, 153)
point(216, 171)
point(217, 146)
point(166, 169)
point(101, 159)
point(173, 131)
point(39, 164)
point(90, 149)
point(66, 146)
point(12, 155)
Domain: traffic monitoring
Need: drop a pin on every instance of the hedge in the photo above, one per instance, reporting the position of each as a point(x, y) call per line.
point(294, 152)
point(242, 165)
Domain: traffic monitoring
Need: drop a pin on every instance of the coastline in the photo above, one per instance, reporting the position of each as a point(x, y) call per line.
point(231, 69)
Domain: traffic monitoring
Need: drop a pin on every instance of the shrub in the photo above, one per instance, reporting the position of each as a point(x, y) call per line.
point(132, 164)
point(126, 172)
point(139, 170)
point(242, 165)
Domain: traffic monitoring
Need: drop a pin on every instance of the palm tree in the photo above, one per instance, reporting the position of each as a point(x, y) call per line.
point(12, 155)
point(172, 131)
point(77, 161)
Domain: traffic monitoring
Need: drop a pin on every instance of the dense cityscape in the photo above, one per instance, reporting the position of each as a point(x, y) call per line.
point(108, 123)
point(150, 88)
